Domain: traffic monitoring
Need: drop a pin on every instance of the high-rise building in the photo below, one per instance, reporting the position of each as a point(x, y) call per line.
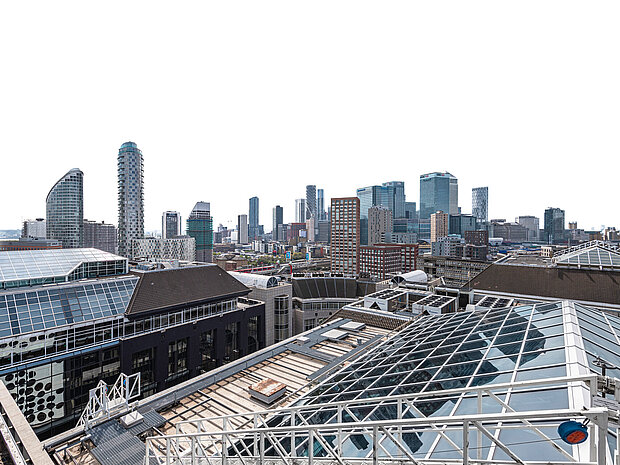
point(379, 222)
point(34, 228)
point(253, 230)
point(65, 210)
point(100, 236)
point(130, 196)
point(242, 229)
point(461, 223)
point(300, 210)
point(170, 225)
point(480, 203)
point(439, 225)
point(438, 192)
point(199, 225)
point(278, 220)
point(373, 196)
point(310, 201)
point(345, 240)
point(396, 194)
point(532, 224)
point(554, 225)
point(320, 204)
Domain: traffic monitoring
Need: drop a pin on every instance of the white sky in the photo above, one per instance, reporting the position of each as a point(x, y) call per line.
point(233, 99)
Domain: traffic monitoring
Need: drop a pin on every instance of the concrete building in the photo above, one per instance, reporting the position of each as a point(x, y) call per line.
point(64, 209)
point(242, 229)
point(383, 261)
point(130, 196)
point(446, 246)
point(170, 224)
point(478, 237)
point(102, 236)
point(438, 192)
point(277, 296)
point(510, 232)
point(34, 228)
point(379, 222)
point(399, 238)
point(345, 226)
point(532, 224)
point(300, 210)
point(29, 243)
point(480, 203)
point(440, 226)
point(200, 227)
point(181, 248)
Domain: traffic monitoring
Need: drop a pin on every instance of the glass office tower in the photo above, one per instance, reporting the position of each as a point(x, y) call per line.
point(130, 196)
point(438, 192)
point(65, 210)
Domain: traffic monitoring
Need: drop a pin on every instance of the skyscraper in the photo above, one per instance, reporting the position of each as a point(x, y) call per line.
point(253, 226)
point(345, 244)
point(130, 196)
point(170, 225)
point(320, 204)
point(65, 210)
point(554, 225)
point(200, 226)
point(480, 203)
point(438, 192)
point(310, 201)
point(278, 220)
point(242, 229)
point(439, 225)
point(379, 222)
point(396, 193)
point(300, 210)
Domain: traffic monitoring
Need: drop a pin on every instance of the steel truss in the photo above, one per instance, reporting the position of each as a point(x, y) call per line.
point(254, 437)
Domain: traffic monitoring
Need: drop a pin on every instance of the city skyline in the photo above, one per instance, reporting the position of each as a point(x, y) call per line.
point(530, 116)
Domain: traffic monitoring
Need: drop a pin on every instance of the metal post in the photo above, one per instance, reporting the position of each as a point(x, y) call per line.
point(479, 443)
point(310, 446)
point(339, 435)
point(293, 441)
point(262, 447)
point(465, 443)
point(224, 450)
point(375, 446)
point(602, 439)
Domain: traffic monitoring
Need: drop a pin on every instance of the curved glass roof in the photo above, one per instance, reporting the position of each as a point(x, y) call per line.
point(597, 257)
point(37, 264)
point(255, 280)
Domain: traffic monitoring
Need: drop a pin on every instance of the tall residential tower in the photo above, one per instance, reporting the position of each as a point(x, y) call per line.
point(480, 203)
point(170, 225)
point(130, 196)
point(65, 210)
point(200, 227)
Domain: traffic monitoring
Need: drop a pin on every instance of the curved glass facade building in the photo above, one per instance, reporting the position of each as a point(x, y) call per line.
point(130, 196)
point(65, 210)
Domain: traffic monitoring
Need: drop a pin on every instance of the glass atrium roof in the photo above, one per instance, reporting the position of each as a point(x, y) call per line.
point(596, 256)
point(38, 264)
point(47, 308)
point(471, 350)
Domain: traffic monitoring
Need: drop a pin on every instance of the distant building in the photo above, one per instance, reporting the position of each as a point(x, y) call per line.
point(345, 243)
point(531, 223)
point(296, 232)
point(300, 210)
point(130, 196)
point(399, 238)
point(310, 228)
point(34, 228)
point(100, 236)
point(554, 225)
point(471, 251)
point(438, 192)
point(446, 246)
point(311, 201)
point(253, 229)
point(170, 224)
point(396, 196)
point(65, 210)
point(379, 222)
point(480, 203)
point(324, 232)
point(510, 232)
point(383, 261)
point(455, 272)
point(29, 243)
point(242, 229)
point(200, 227)
point(439, 225)
point(278, 220)
point(155, 249)
point(320, 204)
point(478, 237)
point(460, 223)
